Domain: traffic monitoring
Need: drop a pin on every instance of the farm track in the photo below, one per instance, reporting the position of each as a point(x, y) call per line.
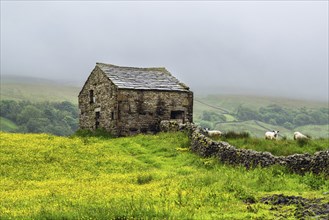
point(225, 111)
point(236, 122)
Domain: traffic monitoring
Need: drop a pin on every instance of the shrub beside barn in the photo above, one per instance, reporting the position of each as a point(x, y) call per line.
point(129, 100)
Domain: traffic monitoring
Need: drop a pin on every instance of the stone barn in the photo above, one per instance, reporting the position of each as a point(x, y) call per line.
point(129, 100)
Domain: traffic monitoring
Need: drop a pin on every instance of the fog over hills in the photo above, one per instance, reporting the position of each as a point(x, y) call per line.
point(23, 79)
point(272, 48)
point(61, 89)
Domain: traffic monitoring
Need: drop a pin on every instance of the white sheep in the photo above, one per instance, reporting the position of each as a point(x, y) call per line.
point(298, 136)
point(271, 135)
point(213, 133)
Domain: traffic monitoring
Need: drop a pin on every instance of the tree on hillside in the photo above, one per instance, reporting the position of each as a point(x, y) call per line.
point(59, 118)
point(212, 116)
point(10, 109)
point(244, 114)
point(30, 112)
point(288, 118)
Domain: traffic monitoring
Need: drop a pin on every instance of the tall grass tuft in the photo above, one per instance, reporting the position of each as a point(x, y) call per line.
point(144, 178)
point(302, 142)
point(101, 132)
point(315, 182)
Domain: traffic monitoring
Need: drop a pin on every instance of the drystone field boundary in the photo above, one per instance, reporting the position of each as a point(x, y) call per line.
point(318, 163)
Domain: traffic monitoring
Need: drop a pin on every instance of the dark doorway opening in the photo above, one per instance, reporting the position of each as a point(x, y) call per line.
point(97, 119)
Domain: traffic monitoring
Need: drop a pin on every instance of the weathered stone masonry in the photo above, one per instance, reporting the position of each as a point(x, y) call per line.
point(127, 100)
point(104, 100)
point(142, 111)
point(204, 146)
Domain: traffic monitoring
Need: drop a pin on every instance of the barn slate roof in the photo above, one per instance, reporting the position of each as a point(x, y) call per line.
point(142, 78)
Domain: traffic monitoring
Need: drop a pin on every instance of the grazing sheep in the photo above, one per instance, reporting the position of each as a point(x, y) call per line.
point(271, 135)
point(299, 136)
point(213, 133)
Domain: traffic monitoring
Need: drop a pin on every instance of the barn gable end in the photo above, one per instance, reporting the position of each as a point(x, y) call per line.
point(129, 100)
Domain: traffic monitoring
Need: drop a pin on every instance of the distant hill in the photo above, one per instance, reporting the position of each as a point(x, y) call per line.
point(231, 102)
point(39, 89)
point(7, 125)
point(222, 114)
point(20, 88)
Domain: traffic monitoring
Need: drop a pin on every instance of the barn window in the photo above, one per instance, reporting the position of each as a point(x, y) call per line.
point(97, 119)
point(133, 130)
point(140, 107)
point(177, 115)
point(92, 98)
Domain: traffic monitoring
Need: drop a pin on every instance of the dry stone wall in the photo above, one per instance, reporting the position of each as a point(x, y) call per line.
point(204, 146)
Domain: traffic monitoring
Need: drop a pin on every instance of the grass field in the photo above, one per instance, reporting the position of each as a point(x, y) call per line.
point(255, 129)
point(258, 129)
point(280, 147)
point(140, 177)
point(315, 130)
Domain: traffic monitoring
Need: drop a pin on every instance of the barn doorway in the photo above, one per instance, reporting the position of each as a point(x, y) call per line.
point(97, 119)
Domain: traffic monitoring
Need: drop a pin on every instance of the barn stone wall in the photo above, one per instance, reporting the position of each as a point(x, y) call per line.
point(105, 102)
point(204, 146)
point(140, 111)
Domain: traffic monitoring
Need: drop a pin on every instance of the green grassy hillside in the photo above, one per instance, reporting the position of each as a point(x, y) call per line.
point(141, 177)
point(216, 106)
point(254, 128)
point(280, 147)
point(315, 130)
point(39, 93)
point(7, 125)
point(258, 129)
point(37, 90)
point(231, 102)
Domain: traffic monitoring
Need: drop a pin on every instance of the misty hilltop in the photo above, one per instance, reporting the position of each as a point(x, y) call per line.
point(272, 48)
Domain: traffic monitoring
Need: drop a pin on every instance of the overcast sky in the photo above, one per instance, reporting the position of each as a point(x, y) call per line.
point(264, 47)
